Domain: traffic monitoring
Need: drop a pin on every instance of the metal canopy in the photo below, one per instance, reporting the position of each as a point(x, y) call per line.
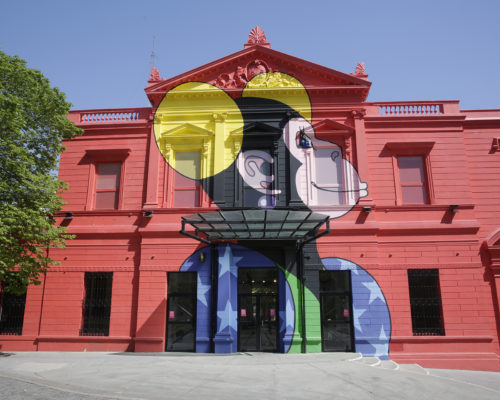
point(216, 226)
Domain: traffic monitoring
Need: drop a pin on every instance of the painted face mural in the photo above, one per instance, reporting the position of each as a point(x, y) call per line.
point(261, 151)
point(325, 180)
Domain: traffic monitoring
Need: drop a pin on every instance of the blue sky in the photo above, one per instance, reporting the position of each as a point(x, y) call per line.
point(98, 52)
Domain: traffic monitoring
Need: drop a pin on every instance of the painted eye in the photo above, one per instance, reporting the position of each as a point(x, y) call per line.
point(335, 155)
point(303, 141)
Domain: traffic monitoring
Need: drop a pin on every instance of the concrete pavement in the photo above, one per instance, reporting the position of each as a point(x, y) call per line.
point(99, 376)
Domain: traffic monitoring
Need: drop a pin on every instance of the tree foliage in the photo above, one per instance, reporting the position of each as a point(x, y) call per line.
point(32, 125)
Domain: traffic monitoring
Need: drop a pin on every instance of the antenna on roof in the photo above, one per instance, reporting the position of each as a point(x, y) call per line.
point(153, 55)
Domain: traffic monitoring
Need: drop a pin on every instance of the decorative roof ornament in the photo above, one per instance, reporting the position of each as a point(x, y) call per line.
point(360, 71)
point(257, 37)
point(154, 76)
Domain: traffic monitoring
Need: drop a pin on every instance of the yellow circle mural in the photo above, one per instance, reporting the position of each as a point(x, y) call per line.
point(198, 129)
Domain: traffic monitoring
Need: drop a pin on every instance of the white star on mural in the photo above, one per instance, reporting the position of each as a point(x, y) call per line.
point(375, 292)
point(226, 316)
point(358, 312)
point(227, 260)
point(203, 289)
point(382, 335)
point(380, 348)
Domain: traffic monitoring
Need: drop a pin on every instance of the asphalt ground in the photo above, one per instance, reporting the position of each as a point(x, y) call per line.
point(165, 376)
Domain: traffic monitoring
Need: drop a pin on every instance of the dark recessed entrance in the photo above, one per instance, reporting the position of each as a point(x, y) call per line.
point(258, 309)
point(336, 310)
point(181, 311)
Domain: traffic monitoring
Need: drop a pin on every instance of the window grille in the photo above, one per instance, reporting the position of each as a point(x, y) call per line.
point(12, 313)
point(97, 304)
point(425, 302)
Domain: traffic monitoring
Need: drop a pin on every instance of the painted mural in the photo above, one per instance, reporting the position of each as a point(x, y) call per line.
point(239, 141)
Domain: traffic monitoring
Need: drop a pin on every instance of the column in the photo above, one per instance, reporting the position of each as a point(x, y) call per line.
point(226, 336)
point(153, 170)
point(362, 151)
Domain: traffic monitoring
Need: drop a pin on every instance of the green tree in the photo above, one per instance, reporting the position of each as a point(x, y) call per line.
point(32, 125)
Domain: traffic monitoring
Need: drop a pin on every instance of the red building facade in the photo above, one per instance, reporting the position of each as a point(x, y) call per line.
point(404, 263)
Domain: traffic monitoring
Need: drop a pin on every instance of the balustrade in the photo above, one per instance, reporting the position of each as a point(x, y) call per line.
point(100, 117)
point(410, 109)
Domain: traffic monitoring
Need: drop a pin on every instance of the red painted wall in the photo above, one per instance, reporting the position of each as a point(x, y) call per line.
point(386, 242)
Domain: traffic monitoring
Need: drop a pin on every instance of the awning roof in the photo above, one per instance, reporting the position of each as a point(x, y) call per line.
point(255, 225)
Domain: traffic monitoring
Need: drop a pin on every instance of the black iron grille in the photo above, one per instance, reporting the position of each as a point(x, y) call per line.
point(11, 313)
point(97, 304)
point(425, 302)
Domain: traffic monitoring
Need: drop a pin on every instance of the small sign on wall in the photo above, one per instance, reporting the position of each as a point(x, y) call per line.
point(346, 312)
point(243, 312)
point(273, 312)
point(171, 315)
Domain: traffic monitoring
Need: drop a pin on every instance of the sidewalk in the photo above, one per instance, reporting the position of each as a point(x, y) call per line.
point(82, 376)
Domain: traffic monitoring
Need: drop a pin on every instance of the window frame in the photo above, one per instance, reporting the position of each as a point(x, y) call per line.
point(312, 175)
point(197, 184)
point(115, 190)
point(412, 149)
point(107, 156)
point(169, 173)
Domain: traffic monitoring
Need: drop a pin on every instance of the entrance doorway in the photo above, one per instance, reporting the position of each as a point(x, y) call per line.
point(258, 309)
point(336, 311)
point(181, 311)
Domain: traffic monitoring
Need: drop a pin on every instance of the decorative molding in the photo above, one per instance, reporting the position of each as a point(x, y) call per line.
point(360, 69)
point(154, 76)
point(411, 147)
point(257, 37)
point(358, 114)
point(107, 154)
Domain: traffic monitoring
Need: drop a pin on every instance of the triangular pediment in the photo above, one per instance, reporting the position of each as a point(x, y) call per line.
point(187, 130)
point(233, 71)
point(328, 126)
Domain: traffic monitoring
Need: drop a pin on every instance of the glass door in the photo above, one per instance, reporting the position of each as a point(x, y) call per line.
point(336, 311)
point(181, 312)
point(257, 309)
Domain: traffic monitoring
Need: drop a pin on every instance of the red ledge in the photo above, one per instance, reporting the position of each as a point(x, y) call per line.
point(106, 126)
point(424, 207)
point(102, 229)
point(441, 339)
point(83, 338)
point(16, 338)
point(148, 339)
point(415, 118)
point(136, 212)
point(470, 226)
point(406, 227)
